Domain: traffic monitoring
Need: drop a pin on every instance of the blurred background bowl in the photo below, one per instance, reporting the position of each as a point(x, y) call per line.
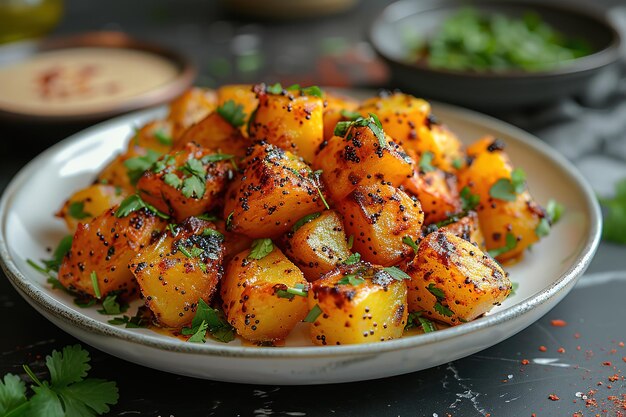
point(494, 90)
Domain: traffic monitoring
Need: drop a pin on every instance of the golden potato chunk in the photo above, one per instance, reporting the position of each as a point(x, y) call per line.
point(215, 133)
point(508, 215)
point(186, 183)
point(361, 157)
point(453, 281)
point(381, 218)
point(335, 108)
point(88, 203)
point(317, 243)
point(102, 248)
point(358, 304)
point(155, 135)
point(182, 266)
point(467, 228)
point(437, 192)
point(289, 119)
point(256, 294)
point(275, 190)
point(191, 107)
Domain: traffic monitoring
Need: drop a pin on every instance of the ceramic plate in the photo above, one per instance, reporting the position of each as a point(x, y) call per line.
point(545, 276)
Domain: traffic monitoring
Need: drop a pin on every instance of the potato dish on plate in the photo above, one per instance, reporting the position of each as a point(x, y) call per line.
point(249, 209)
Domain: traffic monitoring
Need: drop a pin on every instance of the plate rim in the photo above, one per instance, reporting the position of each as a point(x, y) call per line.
point(75, 318)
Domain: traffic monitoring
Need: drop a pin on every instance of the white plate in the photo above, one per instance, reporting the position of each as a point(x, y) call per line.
point(545, 276)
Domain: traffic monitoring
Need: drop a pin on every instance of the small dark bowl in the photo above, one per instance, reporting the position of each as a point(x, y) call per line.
point(494, 90)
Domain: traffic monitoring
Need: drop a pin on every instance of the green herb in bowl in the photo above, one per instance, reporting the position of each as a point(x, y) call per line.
point(471, 40)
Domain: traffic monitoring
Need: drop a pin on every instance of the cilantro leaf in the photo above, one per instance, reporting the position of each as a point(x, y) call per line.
point(313, 91)
point(76, 210)
point(426, 160)
point(193, 187)
point(427, 325)
point(407, 240)
point(305, 220)
point(200, 335)
point(396, 273)
point(554, 210)
point(518, 179)
point(436, 291)
point(233, 113)
point(112, 306)
point(503, 190)
point(91, 394)
point(46, 402)
point(135, 202)
point(350, 115)
point(510, 244)
point(353, 259)
point(94, 283)
point(350, 241)
point(443, 310)
point(274, 89)
point(469, 201)
point(194, 167)
point(411, 320)
point(215, 322)
point(457, 163)
point(172, 180)
point(614, 228)
point(261, 248)
point(68, 366)
point(514, 287)
point(300, 290)
point(351, 279)
point(372, 122)
point(229, 220)
point(12, 394)
point(543, 228)
point(135, 167)
point(163, 138)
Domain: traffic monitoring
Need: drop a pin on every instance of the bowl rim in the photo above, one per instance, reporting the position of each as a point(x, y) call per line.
point(598, 59)
point(166, 92)
point(74, 317)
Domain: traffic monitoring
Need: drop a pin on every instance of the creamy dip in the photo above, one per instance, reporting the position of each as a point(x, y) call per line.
point(81, 80)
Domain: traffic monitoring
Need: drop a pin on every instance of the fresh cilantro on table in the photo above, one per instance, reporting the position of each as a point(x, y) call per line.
point(68, 393)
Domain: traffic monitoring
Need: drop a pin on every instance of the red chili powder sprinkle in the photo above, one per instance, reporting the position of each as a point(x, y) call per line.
point(543, 348)
point(577, 335)
point(525, 361)
point(553, 397)
point(620, 344)
point(561, 350)
point(624, 358)
point(578, 347)
point(607, 363)
point(558, 323)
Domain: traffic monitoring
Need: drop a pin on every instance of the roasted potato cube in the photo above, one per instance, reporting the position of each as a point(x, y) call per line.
point(445, 147)
point(240, 94)
point(467, 228)
point(401, 115)
point(102, 249)
point(381, 217)
point(155, 135)
point(186, 183)
point(216, 134)
point(334, 105)
point(318, 244)
point(289, 120)
point(512, 212)
point(234, 243)
point(358, 159)
point(191, 107)
point(88, 203)
point(453, 281)
point(256, 301)
point(274, 192)
point(359, 304)
point(437, 192)
point(182, 266)
point(116, 173)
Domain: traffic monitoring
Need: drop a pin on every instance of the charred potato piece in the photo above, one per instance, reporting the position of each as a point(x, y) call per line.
point(191, 107)
point(234, 243)
point(401, 115)
point(274, 192)
point(437, 192)
point(88, 203)
point(240, 94)
point(186, 183)
point(453, 281)
point(256, 301)
point(467, 228)
point(358, 159)
point(317, 245)
point(289, 120)
point(359, 304)
point(182, 266)
point(103, 247)
point(215, 133)
point(155, 135)
point(501, 221)
point(381, 217)
point(334, 105)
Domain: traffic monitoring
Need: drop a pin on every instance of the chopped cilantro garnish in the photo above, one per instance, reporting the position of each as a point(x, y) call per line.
point(350, 241)
point(312, 91)
point(134, 203)
point(543, 228)
point(436, 291)
point(229, 220)
point(313, 314)
point(427, 325)
point(426, 160)
point(407, 240)
point(396, 273)
point(443, 310)
point(508, 189)
point(111, 305)
point(261, 248)
point(76, 210)
point(510, 244)
point(94, 283)
point(207, 217)
point(469, 201)
point(211, 320)
point(172, 180)
point(289, 293)
point(353, 259)
point(514, 287)
point(554, 210)
point(233, 113)
point(350, 115)
point(193, 187)
point(411, 320)
point(274, 89)
point(457, 163)
point(163, 138)
point(372, 122)
point(305, 220)
point(135, 167)
point(351, 279)
point(139, 320)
